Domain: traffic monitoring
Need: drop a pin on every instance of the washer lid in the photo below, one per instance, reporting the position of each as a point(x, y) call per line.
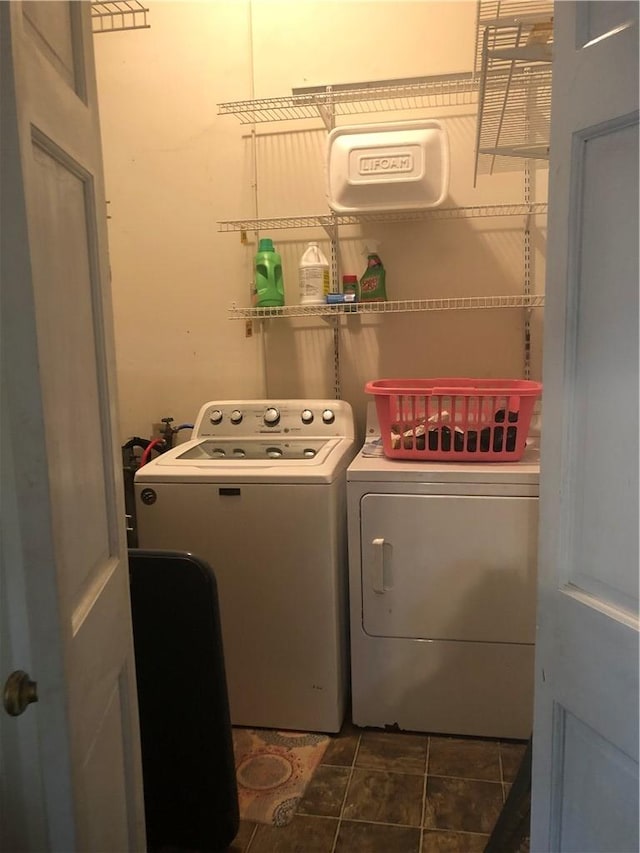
point(273, 459)
point(275, 449)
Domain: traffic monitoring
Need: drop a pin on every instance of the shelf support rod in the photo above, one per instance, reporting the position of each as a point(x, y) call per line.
point(334, 283)
point(334, 262)
point(527, 272)
point(506, 98)
point(336, 357)
point(481, 94)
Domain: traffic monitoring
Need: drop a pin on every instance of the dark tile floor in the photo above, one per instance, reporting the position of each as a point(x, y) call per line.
point(394, 792)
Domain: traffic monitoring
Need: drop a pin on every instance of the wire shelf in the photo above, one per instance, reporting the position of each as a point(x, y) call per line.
point(330, 221)
point(455, 303)
point(514, 52)
point(516, 114)
point(115, 15)
point(496, 14)
point(417, 93)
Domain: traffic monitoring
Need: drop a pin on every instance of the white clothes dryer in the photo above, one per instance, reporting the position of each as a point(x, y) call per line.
point(260, 494)
point(442, 585)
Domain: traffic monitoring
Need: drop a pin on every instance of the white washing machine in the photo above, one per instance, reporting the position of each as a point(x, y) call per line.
point(442, 579)
point(260, 494)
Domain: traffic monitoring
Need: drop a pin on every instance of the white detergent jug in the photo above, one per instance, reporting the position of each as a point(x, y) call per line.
point(313, 276)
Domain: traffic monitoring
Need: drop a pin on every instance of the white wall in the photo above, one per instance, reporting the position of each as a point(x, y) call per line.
point(174, 168)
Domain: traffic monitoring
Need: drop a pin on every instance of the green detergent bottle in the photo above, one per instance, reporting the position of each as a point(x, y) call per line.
point(268, 276)
point(373, 281)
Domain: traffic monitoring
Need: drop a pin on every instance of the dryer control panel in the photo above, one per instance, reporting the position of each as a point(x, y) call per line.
point(255, 418)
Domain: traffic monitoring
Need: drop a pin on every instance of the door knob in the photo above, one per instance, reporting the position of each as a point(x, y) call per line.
point(19, 691)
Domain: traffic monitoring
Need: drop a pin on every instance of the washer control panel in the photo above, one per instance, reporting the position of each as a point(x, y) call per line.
point(255, 418)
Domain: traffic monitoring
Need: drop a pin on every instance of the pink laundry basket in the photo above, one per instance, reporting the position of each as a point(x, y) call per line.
point(454, 420)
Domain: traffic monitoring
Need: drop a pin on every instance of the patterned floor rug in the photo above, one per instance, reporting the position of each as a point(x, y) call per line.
point(273, 770)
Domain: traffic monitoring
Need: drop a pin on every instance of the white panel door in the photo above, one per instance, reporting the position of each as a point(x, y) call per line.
point(585, 760)
point(71, 777)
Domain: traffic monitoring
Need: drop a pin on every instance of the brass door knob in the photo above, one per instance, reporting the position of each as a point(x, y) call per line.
point(19, 692)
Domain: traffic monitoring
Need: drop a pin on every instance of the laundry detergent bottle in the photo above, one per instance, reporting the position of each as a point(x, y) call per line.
point(268, 276)
point(373, 280)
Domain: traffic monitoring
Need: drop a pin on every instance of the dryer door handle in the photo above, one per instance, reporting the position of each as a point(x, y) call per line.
point(377, 566)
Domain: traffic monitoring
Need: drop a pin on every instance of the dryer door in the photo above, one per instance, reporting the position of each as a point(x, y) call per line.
point(449, 567)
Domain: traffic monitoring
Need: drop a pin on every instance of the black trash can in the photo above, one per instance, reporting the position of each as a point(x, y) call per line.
point(190, 793)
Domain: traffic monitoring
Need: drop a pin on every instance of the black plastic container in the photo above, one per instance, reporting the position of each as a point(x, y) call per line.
point(190, 793)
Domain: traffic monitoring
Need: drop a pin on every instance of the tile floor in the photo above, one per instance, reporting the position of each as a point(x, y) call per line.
point(394, 792)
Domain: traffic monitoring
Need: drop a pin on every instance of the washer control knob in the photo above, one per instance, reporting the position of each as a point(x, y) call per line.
point(236, 416)
point(328, 416)
point(216, 417)
point(307, 416)
point(271, 416)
